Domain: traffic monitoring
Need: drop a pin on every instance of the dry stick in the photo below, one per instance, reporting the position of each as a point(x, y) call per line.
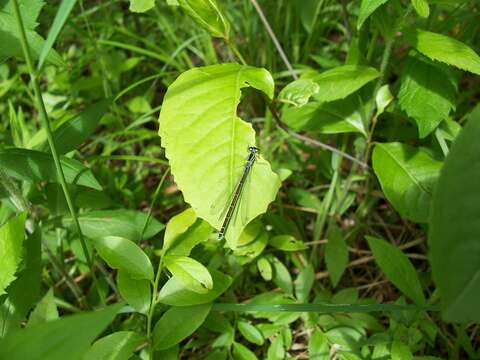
point(274, 39)
point(46, 124)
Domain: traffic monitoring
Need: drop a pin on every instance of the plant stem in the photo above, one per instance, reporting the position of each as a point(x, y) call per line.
point(46, 124)
point(153, 303)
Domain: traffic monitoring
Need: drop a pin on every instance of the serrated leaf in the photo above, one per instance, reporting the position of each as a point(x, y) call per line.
point(455, 228)
point(73, 336)
point(445, 49)
point(426, 94)
point(339, 82)
point(367, 8)
point(208, 15)
point(421, 7)
point(341, 116)
point(36, 166)
point(125, 255)
point(136, 293)
point(336, 254)
point(190, 272)
point(206, 143)
point(250, 332)
point(298, 92)
point(407, 177)
point(117, 346)
point(397, 268)
point(12, 235)
point(140, 6)
point(120, 222)
point(178, 323)
point(174, 292)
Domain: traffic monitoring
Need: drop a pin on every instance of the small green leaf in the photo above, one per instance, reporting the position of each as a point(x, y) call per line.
point(178, 323)
point(421, 7)
point(175, 293)
point(298, 92)
point(287, 243)
point(36, 166)
point(276, 350)
point(336, 254)
point(241, 352)
point(445, 49)
point(190, 272)
point(383, 98)
point(455, 228)
point(265, 268)
point(125, 255)
point(177, 225)
point(304, 283)
point(407, 176)
point(318, 347)
point(117, 346)
point(46, 310)
point(73, 335)
point(12, 235)
point(281, 276)
point(208, 15)
point(140, 6)
point(207, 150)
point(397, 268)
point(427, 94)
point(136, 293)
point(339, 82)
point(120, 222)
point(400, 351)
point(367, 8)
point(250, 332)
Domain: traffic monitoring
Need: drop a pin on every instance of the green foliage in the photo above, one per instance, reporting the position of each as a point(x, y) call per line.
point(336, 254)
point(208, 15)
point(117, 346)
point(454, 226)
point(135, 292)
point(191, 273)
point(367, 8)
point(140, 6)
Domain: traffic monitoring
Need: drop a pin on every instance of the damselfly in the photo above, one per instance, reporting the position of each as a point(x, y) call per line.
point(237, 192)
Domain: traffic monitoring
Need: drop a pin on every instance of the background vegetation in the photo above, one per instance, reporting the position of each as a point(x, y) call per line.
point(367, 112)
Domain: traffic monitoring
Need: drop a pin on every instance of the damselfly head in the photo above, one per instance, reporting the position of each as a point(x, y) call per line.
point(253, 149)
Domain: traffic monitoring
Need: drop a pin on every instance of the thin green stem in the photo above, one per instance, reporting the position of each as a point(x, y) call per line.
point(153, 303)
point(46, 124)
point(154, 200)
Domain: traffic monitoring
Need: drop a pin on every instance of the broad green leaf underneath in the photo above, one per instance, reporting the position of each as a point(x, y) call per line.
point(125, 255)
point(206, 142)
point(427, 94)
point(119, 345)
point(407, 176)
point(73, 335)
point(12, 235)
point(454, 236)
point(445, 49)
point(136, 293)
point(397, 268)
point(177, 323)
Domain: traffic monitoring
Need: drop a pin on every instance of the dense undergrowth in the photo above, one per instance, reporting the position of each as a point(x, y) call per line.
point(356, 234)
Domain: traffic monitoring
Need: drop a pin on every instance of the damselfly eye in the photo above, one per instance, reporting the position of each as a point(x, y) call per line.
point(253, 149)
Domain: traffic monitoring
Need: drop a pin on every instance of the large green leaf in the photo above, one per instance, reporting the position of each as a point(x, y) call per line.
point(397, 268)
point(407, 176)
point(72, 335)
point(455, 228)
point(125, 255)
point(339, 116)
point(445, 49)
point(208, 15)
point(10, 36)
point(120, 222)
point(12, 235)
point(342, 81)
point(178, 323)
point(206, 142)
point(117, 346)
point(174, 292)
point(427, 94)
point(190, 272)
point(367, 8)
point(36, 166)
